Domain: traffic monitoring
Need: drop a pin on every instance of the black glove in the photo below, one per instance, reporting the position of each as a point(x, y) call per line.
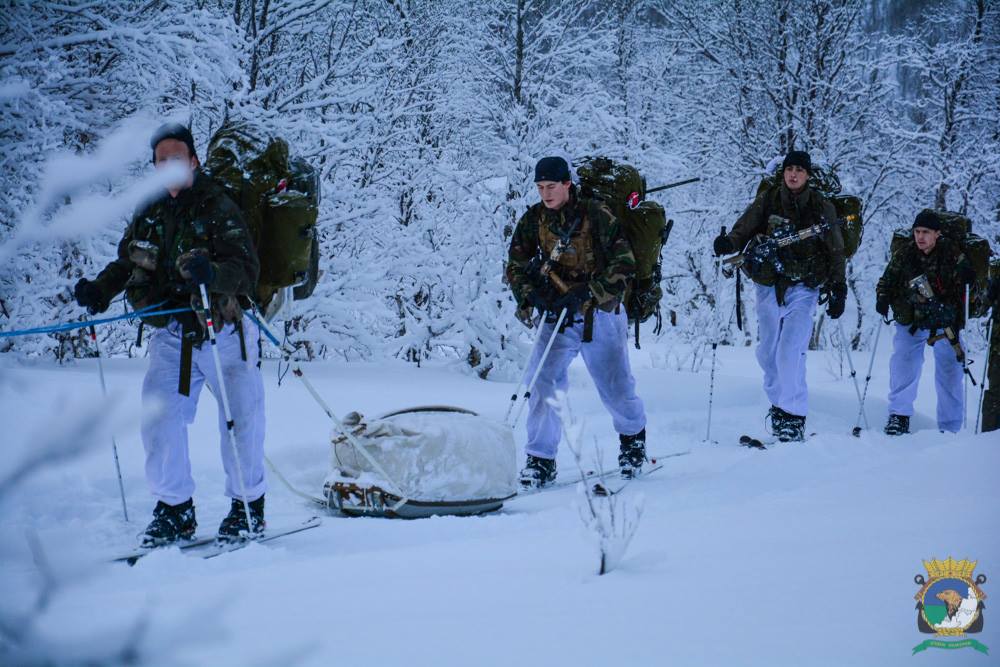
point(90, 296)
point(967, 275)
point(882, 305)
point(837, 300)
point(723, 246)
point(572, 301)
point(197, 268)
point(537, 299)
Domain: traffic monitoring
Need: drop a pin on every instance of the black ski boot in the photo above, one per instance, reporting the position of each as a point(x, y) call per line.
point(792, 428)
point(170, 524)
point(632, 454)
point(538, 472)
point(234, 527)
point(897, 425)
point(774, 418)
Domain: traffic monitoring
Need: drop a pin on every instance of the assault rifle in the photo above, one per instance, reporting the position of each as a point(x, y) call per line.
point(658, 188)
point(540, 268)
point(943, 316)
point(763, 250)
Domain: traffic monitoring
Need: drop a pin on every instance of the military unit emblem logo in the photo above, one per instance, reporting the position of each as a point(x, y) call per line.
point(950, 604)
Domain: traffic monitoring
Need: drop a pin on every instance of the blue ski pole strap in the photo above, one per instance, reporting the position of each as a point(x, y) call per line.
point(69, 326)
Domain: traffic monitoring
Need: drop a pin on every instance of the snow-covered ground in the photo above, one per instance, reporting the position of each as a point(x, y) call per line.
point(801, 555)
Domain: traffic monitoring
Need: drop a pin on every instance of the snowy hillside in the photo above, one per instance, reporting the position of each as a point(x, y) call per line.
point(803, 554)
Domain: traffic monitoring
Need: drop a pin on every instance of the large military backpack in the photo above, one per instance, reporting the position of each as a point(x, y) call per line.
point(958, 228)
point(848, 207)
point(279, 196)
point(623, 189)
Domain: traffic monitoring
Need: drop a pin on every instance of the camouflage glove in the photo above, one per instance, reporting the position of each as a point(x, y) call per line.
point(539, 301)
point(535, 300)
point(837, 300)
point(723, 246)
point(196, 267)
point(572, 301)
point(90, 296)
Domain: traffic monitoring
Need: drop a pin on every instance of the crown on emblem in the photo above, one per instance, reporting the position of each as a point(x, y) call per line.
point(950, 568)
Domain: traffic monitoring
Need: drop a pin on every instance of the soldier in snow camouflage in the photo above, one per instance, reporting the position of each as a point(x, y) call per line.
point(569, 253)
point(936, 265)
point(188, 236)
point(786, 300)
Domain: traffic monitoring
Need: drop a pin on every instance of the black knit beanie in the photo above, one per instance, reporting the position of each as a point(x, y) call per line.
point(798, 159)
point(172, 131)
point(552, 169)
point(928, 220)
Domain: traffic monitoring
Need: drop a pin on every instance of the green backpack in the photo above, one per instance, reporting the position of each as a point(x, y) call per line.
point(279, 196)
point(958, 228)
point(848, 207)
point(623, 189)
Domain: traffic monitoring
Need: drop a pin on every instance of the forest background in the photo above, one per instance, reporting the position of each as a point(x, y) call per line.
point(425, 119)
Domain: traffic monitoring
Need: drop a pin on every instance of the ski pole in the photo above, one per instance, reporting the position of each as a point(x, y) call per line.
point(224, 395)
point(114, 443)
point(538, 369)
point(854, 375)
point(982, 383)
point(965, 369)
point(864, 396)
point(715, 344)
point(288, 351)
point(520, 382)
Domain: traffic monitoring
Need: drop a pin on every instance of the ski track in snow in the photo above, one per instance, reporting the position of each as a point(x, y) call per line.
point(800, 555)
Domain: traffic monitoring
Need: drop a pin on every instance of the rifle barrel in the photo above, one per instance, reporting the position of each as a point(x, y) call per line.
point(671, 185)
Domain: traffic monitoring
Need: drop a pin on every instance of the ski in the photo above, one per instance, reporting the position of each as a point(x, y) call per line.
point(752, 443)
point(763, 443)
point(184, 545)
point(606, 491)
point(207, 547)
point(225, 548)
point(655, 462)
point(563, 483)
point(592, 475)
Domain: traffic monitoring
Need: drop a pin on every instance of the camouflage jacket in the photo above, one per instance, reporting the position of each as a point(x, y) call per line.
point(614, 262)
point(201, 218)
point(944, 268)
point(813, 261)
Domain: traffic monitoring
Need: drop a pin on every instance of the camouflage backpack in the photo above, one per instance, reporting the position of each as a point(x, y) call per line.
point(279, 196)
point(623, 189)
point(958, 228)
point(848, 207)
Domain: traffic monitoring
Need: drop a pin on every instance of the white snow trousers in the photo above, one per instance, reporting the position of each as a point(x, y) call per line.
point(167, 413)
point(904, 376)
point(783, 338)
point(606, 357)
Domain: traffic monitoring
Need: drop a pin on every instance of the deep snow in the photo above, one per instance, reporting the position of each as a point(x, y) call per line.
point(804, 554)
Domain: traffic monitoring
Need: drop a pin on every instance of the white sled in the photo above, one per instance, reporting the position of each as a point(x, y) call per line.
point(443, 460)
